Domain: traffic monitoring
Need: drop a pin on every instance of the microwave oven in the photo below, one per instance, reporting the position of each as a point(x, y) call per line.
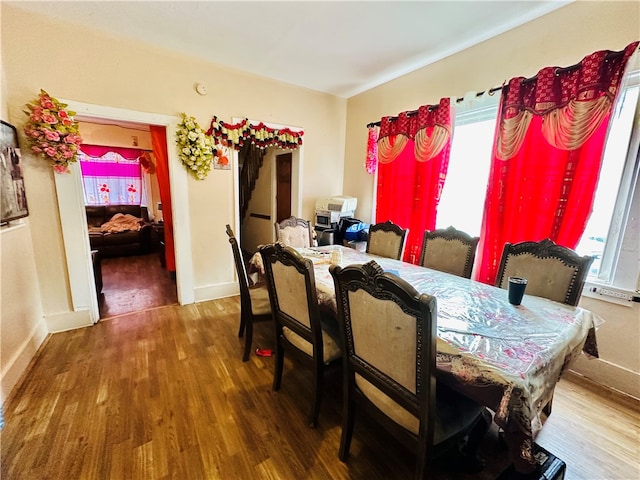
point(327, 218)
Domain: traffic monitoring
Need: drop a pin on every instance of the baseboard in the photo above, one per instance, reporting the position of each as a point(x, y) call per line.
point(18, 365)
point(62, 322)
point(603, 389)
point(212, 292)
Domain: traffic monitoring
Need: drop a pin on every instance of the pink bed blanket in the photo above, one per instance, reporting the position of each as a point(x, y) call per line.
point(121, 222)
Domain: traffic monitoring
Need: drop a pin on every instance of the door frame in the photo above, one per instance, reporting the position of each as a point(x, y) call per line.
point(297, 164)
point(73, 218)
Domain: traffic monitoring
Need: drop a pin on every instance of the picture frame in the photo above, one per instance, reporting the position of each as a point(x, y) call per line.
point(13, 198)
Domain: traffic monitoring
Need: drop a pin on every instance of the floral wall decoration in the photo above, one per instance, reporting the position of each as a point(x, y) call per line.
point(195, 148)
point(201, 151)
point(51, 132)
point(235, 135)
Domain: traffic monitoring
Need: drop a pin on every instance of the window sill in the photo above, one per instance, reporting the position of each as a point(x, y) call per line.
point(611, 294)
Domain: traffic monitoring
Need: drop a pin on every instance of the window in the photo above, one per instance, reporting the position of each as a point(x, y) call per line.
point(462, 200)
point(111, 179)
point(611, 229)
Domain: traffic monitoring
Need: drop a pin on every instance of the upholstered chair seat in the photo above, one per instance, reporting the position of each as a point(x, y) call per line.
point(455, 412)
point(260, 304)
point(331, 344)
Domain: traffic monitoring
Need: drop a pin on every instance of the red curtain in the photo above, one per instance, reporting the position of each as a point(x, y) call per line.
point(413, 155)
point(159, 143)
point(550, 138)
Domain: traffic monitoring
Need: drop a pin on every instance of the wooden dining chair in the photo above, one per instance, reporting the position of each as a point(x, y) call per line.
point(302, 328)
point(254, 302)
point(387, 240)
point(294, 232)
point(552, 271)
point(449, 250)
point(389, 335)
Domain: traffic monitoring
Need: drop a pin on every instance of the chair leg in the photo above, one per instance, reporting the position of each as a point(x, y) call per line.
point(348, 417)
point(248, 341)
point(242, 324)
point(278, 366)
point(547, 408)
point(317, 392)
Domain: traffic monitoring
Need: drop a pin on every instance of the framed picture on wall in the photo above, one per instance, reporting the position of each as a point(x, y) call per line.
point(12, 194)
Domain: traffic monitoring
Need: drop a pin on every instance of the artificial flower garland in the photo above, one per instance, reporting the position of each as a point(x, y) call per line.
point(195, 148)
point(198, 150)
point(262, 136)
point(52, 132)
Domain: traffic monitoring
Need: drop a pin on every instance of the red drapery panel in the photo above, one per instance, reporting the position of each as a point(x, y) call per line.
point(547, 155)
point(413, 153)
point(159, 143)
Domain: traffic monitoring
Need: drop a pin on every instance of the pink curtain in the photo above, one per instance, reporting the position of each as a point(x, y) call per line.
point(547, 155)
point(413, 156)
point(110, 178)
point(101, 150)
point(159, 143)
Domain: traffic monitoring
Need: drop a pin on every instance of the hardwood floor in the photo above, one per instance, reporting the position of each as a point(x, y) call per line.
point(164, 394)
point(135, 283)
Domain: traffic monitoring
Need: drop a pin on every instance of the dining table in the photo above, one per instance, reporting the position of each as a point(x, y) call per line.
point(508, 358)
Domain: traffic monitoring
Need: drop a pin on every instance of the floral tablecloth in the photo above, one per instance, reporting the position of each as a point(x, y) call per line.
point(506, 357)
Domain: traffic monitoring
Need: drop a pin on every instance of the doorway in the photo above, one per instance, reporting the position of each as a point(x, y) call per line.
point(74, 224)
point(130, 266)
point(283, 186)
point(255, 227)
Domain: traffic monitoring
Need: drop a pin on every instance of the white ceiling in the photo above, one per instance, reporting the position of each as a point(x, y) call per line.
point(338, 47)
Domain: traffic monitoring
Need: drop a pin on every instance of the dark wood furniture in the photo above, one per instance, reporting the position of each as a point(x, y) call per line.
point(254, 302)
point(301, 327)
point(449, 250)
point(552, 271)
point(96, 261)
point(389, 335)
point(157, 242)
point(129, 242)
point(387, 240)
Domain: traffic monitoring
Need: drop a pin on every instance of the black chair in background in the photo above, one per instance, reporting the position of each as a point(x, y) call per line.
point(254, 302)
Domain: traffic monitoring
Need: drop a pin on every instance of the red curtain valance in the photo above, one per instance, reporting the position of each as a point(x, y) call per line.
point(98, 151)
point(573, 101)
point(409, 123)
point(429, 127)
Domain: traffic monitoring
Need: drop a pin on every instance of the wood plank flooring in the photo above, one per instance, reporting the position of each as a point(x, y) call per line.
point(163, 394)
point(135, 283)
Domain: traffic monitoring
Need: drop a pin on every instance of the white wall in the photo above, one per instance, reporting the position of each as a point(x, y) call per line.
point(22, 325)
point(561, 38)
point(109, 71)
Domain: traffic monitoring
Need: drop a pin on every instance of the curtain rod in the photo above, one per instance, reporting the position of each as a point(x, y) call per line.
point(491, 91)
